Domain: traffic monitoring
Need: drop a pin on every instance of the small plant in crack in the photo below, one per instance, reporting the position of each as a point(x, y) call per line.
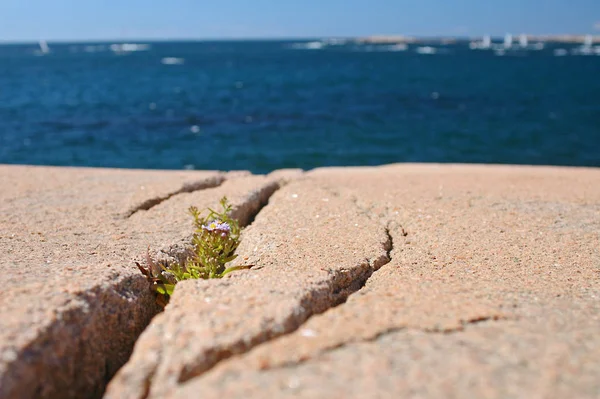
point(215, 240)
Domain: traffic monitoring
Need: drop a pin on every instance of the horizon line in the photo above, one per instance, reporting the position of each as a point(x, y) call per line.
point(282, 38)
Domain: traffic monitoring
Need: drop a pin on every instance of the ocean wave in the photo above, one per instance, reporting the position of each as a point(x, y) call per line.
point(172, 61)
point(128, 47)
point(387, 48)
point(308, 46)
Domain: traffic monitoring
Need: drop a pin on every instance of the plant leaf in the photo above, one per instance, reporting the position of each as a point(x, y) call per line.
point(234, 268)
point(165, 289)
point(144, 271)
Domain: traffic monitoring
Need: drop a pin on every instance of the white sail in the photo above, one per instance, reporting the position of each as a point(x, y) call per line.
point(44, 49)
point(484, 44)
point(487, 41)
point(587, 48)
point(508, 39)
point(523, 40)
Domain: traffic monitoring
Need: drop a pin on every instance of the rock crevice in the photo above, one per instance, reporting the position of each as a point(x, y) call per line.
point(210, 182)
point(296, 278)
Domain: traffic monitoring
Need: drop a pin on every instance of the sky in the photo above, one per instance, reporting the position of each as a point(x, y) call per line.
point(83, 20)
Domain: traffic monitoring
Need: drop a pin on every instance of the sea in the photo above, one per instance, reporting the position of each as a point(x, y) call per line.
point(265, 105)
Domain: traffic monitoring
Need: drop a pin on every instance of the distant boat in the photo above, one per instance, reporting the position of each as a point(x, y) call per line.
point(508, 40)
point(523, 41)
point(484, 44)
point(487, 41)
point(587, 47)
point(44, 49)
point(508, 48)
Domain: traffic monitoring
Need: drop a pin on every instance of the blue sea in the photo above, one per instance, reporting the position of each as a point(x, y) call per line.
point(264, 105)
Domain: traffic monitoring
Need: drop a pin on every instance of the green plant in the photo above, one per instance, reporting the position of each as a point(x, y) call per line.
point(215, 240)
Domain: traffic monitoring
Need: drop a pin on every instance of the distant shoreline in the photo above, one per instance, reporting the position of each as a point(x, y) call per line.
point(375, 39)
point(449, 40)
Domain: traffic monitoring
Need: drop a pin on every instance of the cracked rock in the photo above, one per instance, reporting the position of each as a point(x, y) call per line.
point(73, 303)
point(308, 253)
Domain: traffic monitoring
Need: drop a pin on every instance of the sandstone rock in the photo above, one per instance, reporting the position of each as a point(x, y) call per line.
point(492, 291)
point(310, 248)
point(73, 301)
point(397, 281)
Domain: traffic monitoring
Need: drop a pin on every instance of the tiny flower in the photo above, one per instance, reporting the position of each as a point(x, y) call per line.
point(214, 247)
point(224, 228)
point(218, 227)
point(212, 226)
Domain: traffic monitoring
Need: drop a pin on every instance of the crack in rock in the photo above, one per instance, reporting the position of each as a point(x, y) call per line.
point(245, 212)
point(190, 187)
point(465, 323)
point(374, 337)
point(75, 343)
point(332, 292)
point(341, 286)
point(359, 281)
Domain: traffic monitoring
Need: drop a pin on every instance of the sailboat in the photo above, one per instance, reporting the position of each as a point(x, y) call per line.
point(487, 41)
point(484, 44)
point(44, 48)
point(523, 41)
point(508, 40)
point(587, 47)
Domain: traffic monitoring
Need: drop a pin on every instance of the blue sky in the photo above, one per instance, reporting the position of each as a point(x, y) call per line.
point(26, 20)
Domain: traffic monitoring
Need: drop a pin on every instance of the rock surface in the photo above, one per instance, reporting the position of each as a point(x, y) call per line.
point(395, 281)
point(311, 249)
point(73, 303)
point(493, 290)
